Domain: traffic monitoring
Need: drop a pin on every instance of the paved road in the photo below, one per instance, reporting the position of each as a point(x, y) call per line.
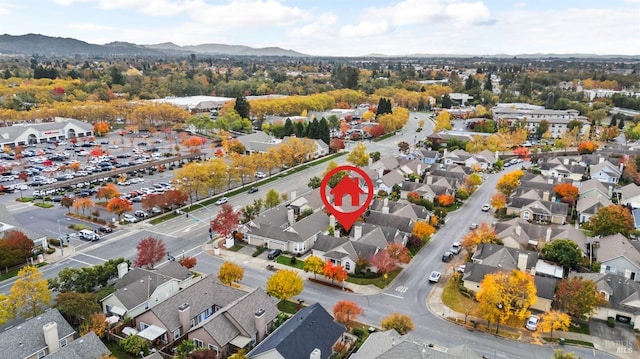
point(407, 294)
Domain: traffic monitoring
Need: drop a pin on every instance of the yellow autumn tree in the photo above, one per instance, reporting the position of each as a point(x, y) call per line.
point(358, 156)
point(422, 229)
point(443, 122)
point(509, 182)
point(554, 320)
point(506, 294)
point(313, 264)
point(402, 323)
point(29, 295)
point(97, 323)
point(230, 273)
point(284, 284)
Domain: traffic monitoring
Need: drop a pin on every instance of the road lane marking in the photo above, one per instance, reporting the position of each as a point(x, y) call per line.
point(393, 295)
point(92, 256)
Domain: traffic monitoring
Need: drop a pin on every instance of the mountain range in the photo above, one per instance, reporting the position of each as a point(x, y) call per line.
point(36, 44)
point(32, 44)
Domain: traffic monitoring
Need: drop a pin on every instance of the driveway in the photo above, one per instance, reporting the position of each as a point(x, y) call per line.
point(621, 336)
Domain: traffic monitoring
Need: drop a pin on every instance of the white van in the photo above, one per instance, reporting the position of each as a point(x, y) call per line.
point(88, 235)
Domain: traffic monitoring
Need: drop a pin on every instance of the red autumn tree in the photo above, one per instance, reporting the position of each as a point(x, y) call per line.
point(150, 201)
point(118, 206)
point(383, 262)
point(336, 144)
point(346, 312)
point(108, 192)
point(413, 197)
point(567, 190)
point(188, 262)
point(15, 248)
point(193, 141)
point(445, 199)
point(226, 221)
point(398, 252)
point(522, 152)
point(334, 272)
point(376, 131)
point(150, 251)
point(175, 197)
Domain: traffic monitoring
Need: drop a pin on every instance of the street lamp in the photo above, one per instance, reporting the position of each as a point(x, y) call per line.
point(60, 239)
point(209, 212)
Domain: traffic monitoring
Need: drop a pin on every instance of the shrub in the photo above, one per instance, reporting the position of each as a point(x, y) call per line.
point(611, 322)
point(293, 260)
point(358, 332)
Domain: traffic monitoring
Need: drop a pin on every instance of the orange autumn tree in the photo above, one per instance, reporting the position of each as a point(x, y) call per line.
point(118, 206)
point(108, 192)
point(587, 147)
point(483, 234)
point(398, 252)
point(445, 200)
point(567, 192)
point(346, 312)
point(100, 128)
point(422, 229)
point(334, 272)
point(498, 201)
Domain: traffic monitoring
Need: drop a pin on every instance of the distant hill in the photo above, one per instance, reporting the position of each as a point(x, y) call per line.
point(31, 44)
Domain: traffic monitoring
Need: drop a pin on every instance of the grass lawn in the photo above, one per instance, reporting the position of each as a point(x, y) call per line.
point(379, 282)
point(44, 205)
point(455, 300)
point(578, 326)
point(285, 260)
point(569, 341)
point(14, 272)
point(288, 306)
point(116, 351)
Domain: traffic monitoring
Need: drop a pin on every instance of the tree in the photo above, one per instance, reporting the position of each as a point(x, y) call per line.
point(97, 323)
point(398, 252)
point(579, 297)
point(15, 248)
point(284, 284)
point(29, 295)
point(272, 199)
point(184, 348)
point(334, 272)
point(101, 128)
point(240, 354)
point(358, 156)
point(383, 262)
point(188, 262)
point(611, 219)
point(314, 182)
point(554, 320)
point(108, 192)
point(150, 251)
point(346, 312)
point(118, 206)
point(336, 144)
point(445, 199)
point(422, 229)
point(242, 107)
point(82, 204)
point(313, 264)
point(5, 313)
point(504, 294)
point(443, 121)
point(135, 345)
point(587, 147)
point(230, 273)
point(559, 354)
point(483, 234)
point(564, 252)
point(402, 323)
point(66, 202)
point(498, 201)
point(509, 182)
point(226, 221)
point(403, 147)
point(77, 305)
point(567, 190)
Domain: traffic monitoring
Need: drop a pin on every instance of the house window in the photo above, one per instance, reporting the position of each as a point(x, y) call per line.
point(347, 266)
point(146, 305)
point(63, 342)
point(212, 347)
point(198, 343)
point(525, 215)
point(41, 354)
point(176, 334)
point(143, 325)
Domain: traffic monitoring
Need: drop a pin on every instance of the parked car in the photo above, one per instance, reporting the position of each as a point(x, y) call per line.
point(274, 253)
point(140, 213)
point(261, 175)
point(456, 247)
point(447, 256)
point(105, 229)
point(532, 323)
point(473, 226)
point(222, 200)
point(253, 190)
point(129, 218)
point(486, 207)
point(88, 235)
point(434, 277)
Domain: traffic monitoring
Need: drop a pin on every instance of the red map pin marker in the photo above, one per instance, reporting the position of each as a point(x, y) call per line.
point(347, 194)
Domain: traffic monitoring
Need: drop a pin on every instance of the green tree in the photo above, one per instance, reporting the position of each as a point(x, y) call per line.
point(135, 345)
point(284, 284)
point(314, 182)
point(564, 252)
point(272, 199)
point(358, 156)
point(77, 305)
point(184, 348)
point(488, 85)
point(542, 128)
point(526, 87)
point(375, 156)
point(242, 107)
point(30, 294)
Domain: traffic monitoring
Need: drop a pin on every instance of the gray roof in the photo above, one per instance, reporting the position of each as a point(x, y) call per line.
point(390, 344)
point(540, 207)
point(311, 328)
point(27, 338)
point(138, 284)
point(615, 246)
point(311, 225)
point(545, 286)
point(389, 220)
point(629, 191)
point(272, 232)
point(238, 317)
point(622, 291)
point(591, 205)
point(204, 294)
point(496, 255)
point(277, 217)
point(89, 346)
point(10, 133)
point(593, 184)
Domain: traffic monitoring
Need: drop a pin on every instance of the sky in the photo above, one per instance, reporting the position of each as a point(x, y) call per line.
point(343, 27)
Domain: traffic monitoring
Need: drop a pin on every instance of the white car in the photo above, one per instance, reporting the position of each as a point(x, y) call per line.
point(532, 323)
point(455, 247)
point(434, 277)
point(129, 218)
point(486, 207)
point(261, 175)
point(222, 200)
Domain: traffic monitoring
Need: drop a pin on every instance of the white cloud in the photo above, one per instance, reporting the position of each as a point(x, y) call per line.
point(6, 8)
point(365, 29)
point(251, 13)
point(323, 27)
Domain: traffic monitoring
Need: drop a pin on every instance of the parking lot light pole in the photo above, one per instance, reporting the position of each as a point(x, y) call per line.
point(60, 240)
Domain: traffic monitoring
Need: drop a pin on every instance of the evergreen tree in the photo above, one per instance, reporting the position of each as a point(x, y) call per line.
point(323, 131)
point(7, 74)
point(469, 84)
point(299, 129)
point(242, 107)
point(526, 87)
point(313, 129)
point(446, 101)
point(288, 127)
point(488, 85)
point(551, 101)
point(621, 123)
point(614, 121)
point(116, 76)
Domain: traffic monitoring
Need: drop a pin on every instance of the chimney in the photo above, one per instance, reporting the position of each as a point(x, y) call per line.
point(385, 209)
point(357, 232)
point(610, 191)
point(290, 217)
point(184, 315)
point(548, 237)
point(385, 202)
point(315, 354)
point(429, 180)
point(293, 195)
point(51, 336)
point(621, 166)
point(553, 198)
point(600, 160)
point(522, 261)
point(419, 169)
point(261, 325)
point(123, 268)
point(545, 196)
point(444, 154)
point(332, 222)
point(533, 271)
point(565, 161)
point(380, 172)
point(518, 230)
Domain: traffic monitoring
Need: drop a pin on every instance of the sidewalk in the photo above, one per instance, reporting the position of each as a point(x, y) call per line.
point(617, 348)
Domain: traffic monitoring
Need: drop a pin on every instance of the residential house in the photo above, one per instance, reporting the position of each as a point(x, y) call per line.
point(636, 217)
point(606, 172)
point(538, 211)
point(521, 234)
point(207, 306)
point(292, 236)
point(532, 117)
point(618, 255)
point(401, 208)
point(391, 345)
point(429, 156)
point(49, 335)
point(490, 258)
point(139, 289)
point(630, 195)
point(258, 142)
point(404, 224)
point(594, 188)
point(343, 251)
point(387, 181)
point(622, 296)
point(562, 168)
point(310, 333)
point(589, 206)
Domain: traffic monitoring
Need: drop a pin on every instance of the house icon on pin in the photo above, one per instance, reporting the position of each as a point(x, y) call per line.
point(347, 187)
